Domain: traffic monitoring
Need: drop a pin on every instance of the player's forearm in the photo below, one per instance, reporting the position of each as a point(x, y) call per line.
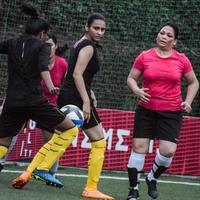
point(192, 90)
point(132, 84)
point(47, 79)
point(80, 85)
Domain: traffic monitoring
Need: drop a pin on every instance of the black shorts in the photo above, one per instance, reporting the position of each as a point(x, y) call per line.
point(163, 125)
point(45, 115)
point(64, 99)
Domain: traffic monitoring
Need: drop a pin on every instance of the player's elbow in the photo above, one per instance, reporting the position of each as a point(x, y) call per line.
point(77, 75)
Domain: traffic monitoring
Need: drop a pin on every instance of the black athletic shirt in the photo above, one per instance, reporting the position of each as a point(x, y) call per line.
point(68, 87)
point(27, 58)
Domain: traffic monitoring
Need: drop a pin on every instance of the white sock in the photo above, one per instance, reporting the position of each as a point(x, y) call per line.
point(136, 160)
point(160, 161)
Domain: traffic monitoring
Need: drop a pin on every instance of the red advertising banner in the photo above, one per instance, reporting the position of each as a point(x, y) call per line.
point(118, 126)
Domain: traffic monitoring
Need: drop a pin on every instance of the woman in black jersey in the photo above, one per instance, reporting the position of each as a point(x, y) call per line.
point(57, 67)
point(28, 58)
point(76, 90)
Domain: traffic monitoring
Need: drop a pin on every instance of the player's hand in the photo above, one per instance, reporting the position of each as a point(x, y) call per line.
point(86, 111)
point(186, 107)
point(143, 95)
point(54, 90)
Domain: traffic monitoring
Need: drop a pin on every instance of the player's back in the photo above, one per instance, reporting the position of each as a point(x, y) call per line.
point(27, 57)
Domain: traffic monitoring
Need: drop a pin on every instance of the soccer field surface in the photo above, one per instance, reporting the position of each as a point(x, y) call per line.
point(113, 183)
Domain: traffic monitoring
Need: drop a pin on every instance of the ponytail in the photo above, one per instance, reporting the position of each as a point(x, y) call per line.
point(61, 50)
point(30, 10)
point(36, 24)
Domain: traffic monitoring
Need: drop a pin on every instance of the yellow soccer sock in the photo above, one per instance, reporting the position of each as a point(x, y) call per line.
point(3, 151)
point(40, 155)
point(95, 163)
point(58, 148)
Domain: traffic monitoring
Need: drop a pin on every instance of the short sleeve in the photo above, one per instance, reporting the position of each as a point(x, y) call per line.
point(138, 63)
point(187, 65)
point(43, 59)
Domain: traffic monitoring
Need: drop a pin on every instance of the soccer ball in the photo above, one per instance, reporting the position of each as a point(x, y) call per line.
point(74, 113)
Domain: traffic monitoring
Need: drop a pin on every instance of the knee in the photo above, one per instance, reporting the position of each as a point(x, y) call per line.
point(99, 144)
point(5, 141)
point(140, 147)
point(69, 134)
point(167, 148)
point(167, 151)
point(72, 131)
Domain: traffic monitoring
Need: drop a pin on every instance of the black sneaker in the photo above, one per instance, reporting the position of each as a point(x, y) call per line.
point(152, 190)
point(133, 194)
point(1, 167)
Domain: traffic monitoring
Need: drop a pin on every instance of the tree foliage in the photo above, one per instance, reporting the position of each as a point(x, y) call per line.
point(131, 27)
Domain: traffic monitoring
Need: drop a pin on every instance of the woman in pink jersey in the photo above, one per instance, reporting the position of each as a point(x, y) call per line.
point(159, 112)
point(58, 67)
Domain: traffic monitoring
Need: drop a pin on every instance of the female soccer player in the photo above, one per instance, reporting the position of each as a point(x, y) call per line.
point(76, 89)
point(28, 59)
point(58, 69)
point(159, 113)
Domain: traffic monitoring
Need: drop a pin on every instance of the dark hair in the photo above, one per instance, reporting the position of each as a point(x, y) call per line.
point(36, 24)
point(172, 25)
point(94, 16)
point(60, 50)
point(53, 37)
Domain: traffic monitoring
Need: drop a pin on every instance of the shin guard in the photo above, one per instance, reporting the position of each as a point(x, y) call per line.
point(40, 155)
point(61, 143)
point(3, 151)
point(133, 177)
point(95, 163)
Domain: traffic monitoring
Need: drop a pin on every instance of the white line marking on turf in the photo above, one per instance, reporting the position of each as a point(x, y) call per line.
point(110, 177)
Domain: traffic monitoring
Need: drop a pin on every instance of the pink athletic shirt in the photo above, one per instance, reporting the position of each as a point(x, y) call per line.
point(57, 75)
point(163, 78)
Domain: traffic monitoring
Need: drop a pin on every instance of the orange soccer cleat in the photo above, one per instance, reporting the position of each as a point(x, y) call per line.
point(95, 194)
point(21, 180)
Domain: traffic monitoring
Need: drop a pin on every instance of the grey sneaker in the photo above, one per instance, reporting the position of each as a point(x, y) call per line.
point(152, 190)
point(133, 194)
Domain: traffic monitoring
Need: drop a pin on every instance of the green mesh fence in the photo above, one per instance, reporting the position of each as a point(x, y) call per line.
point(132, 26)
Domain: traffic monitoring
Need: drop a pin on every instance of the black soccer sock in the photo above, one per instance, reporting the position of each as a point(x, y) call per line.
point(133, 177)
